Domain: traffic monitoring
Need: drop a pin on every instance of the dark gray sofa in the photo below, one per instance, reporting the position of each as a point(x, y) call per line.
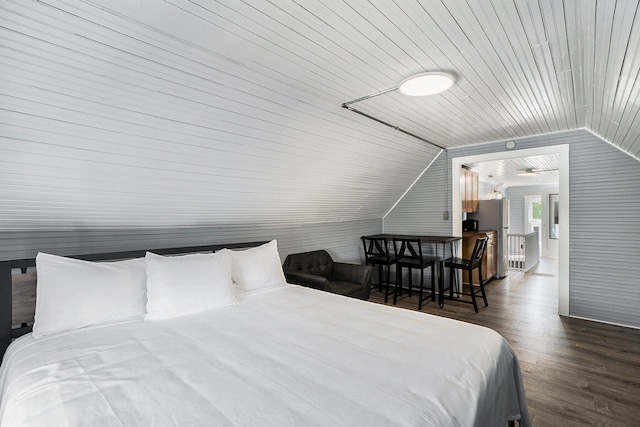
point(316, 269)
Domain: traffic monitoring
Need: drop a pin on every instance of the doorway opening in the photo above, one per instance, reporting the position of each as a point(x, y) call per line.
point(533, 216)
point(563, 205)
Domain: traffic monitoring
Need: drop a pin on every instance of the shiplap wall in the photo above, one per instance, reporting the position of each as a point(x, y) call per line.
point(517, 224)
point(516, 196)
point(340, 239)
point(165, 114)
point(421, 209)
point(180, 114)
point(604, 233)
point(145, 124)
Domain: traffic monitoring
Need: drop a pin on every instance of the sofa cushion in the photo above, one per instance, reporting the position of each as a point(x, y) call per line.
point(346, 288)
point(316, 269)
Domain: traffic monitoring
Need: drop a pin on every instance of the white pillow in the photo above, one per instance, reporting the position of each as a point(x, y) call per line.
point(258, 267)
point(72, 293)
point(187, 284)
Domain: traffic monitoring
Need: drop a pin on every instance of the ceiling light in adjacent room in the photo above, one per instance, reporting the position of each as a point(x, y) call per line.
point(426, 84)
point(528, 172)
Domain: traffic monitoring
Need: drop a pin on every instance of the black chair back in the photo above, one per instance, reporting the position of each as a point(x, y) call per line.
point(478, 250)
point(407, 249)
point(408, 252)
point(376, 250)
point(469, 265)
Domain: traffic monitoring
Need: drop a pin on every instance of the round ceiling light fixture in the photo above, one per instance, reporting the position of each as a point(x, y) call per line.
point(529, 172)
point(426, 84)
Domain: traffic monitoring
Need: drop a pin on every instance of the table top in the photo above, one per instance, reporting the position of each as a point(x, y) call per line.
point(423, 239)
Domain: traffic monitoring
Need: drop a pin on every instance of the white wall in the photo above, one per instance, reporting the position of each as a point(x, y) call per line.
point(604, 235)
point(120, 116)
point(517, 215)
point(340, 239)
point(485, 190)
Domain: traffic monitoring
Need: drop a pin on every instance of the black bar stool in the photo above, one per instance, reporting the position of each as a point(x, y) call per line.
point(376, 252)
point(409, 255)
point(468, 265)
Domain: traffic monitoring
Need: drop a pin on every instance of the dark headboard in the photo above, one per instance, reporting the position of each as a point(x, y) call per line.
point(7, 280)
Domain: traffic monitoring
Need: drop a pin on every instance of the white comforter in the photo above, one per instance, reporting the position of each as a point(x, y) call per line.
point(287, 356)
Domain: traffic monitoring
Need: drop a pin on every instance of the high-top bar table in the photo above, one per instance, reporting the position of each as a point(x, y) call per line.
point(437, 241)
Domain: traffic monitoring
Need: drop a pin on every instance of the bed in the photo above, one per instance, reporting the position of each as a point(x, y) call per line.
point(255, 352)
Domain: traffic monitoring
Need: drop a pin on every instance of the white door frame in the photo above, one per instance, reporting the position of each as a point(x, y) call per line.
point(563, 186)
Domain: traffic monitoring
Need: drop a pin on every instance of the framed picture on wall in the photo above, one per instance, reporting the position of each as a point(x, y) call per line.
point(554, 218)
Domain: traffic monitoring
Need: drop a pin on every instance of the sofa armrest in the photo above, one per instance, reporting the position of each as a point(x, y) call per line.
point(354, 273)
point(308, 280)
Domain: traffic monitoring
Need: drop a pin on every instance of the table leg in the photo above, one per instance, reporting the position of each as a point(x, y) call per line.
point(441, 274)
point(441, 283)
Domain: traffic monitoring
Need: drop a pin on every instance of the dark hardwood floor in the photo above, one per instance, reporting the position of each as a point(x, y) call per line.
point(576, 372)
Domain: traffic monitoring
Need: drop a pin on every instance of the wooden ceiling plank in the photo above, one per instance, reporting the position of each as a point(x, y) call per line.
point(620, 29)
point(574, 53)
point(555, 20)
point(497, 22)
point(325, 49)
point(475, 74)
point(455, 43)
point(432, 46)
point(604, 22)
point(545, 45)
point(497, 76)
point(586, 46)
point(628, 88)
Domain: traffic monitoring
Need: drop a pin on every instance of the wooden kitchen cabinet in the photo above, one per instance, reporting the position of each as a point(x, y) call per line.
point(490, 259)
point(469, 190)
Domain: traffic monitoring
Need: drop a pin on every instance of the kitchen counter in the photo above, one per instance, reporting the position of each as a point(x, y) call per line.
point(477, 233)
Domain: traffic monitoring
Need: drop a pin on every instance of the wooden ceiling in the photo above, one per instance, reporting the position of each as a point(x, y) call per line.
point(523, 67)
point(187, 112)
point(505, 173)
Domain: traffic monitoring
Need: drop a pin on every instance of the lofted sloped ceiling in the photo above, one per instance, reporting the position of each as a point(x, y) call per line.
point(507, 173)
point(130, 113)
point(523, 68)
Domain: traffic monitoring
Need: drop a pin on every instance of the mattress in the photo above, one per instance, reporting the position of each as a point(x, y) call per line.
point(284, 356)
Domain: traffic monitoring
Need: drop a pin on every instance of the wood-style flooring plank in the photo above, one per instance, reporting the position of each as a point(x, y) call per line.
point(575, 372)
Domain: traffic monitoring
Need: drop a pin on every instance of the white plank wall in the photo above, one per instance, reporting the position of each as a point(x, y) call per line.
point(118, 114)
point(340, 239)
point(516, 196)
point(143, 121)
point(604, 201)
point(421, 209)
point(184, 113)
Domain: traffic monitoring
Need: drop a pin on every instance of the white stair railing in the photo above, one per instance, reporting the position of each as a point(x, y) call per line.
point(523, 251)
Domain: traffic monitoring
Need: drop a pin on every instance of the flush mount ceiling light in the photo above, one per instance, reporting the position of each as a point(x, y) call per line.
point(528, 172)
point(426, 84)
point(418, 85)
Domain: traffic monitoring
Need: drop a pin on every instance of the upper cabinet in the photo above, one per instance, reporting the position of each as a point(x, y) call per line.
point(469, 190)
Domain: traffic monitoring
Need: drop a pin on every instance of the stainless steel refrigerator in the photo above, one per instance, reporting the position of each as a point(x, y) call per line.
point(494, 215)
